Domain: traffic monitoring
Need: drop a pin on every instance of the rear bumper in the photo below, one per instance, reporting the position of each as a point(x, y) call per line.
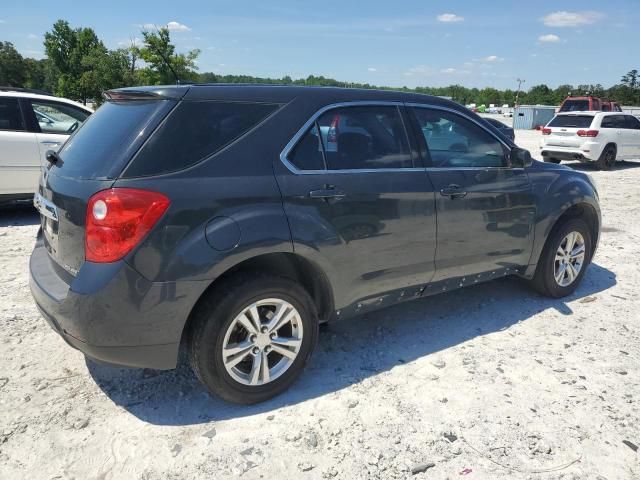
point(587, 152)
point(113, 314)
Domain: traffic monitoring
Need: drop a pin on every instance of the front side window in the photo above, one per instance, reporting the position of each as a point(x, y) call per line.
point(364, 137)
point(632, 123)
point(58, 118)
point(454, 141)
point(10, 116)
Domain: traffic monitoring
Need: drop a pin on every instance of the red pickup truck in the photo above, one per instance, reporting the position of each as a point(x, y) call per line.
point(588, 103)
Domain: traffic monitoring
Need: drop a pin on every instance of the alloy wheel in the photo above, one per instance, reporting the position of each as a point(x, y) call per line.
point(262, 342)
point(569, 259)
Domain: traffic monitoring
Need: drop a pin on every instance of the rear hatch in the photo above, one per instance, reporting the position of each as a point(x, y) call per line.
point(567, 130)
point(90, 161)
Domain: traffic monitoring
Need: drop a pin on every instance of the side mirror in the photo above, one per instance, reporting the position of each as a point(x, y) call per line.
point(520, 158)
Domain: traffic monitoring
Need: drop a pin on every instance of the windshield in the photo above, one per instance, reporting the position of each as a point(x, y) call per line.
point(108, 139)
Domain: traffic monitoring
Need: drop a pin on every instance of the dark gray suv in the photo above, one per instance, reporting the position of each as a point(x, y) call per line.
point(232, 220)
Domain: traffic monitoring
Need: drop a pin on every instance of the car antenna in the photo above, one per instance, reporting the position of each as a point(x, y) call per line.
point(167, 63)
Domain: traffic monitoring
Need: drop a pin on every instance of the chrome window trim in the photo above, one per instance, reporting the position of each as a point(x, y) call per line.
point(360, 103)
point(473, 120)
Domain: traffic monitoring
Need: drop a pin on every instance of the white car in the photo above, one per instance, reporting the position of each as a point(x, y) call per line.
point(599, 137)
point(31, 123)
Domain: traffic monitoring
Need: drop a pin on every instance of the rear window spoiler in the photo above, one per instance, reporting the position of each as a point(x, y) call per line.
point(146, 93)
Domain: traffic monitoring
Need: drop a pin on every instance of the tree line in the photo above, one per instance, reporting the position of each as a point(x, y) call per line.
point(79, 66)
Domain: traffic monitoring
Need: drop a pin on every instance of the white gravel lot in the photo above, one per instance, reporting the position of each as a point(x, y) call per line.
point(488, 382)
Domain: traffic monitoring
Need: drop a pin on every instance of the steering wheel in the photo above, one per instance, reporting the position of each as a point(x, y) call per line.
point(73, 127)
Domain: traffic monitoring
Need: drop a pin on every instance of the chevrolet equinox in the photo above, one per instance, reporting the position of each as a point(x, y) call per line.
point(232, 220)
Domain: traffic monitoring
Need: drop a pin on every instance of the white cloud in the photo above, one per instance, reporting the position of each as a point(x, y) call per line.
point(177, 27)
point(448, 70)
point(32, 36)
point(549, 38)
point(492, 58)
point(422, 70)
point(372, 69)
point(449, 18)
point(571, 19)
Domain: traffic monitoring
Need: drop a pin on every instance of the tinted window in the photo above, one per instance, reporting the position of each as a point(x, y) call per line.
point(613, 121)
point(454, 141)
point(364, 138)
point(53, 117)
point(10, 116)
point(571, 121)
point(575, 106)
point(307, 154)
point(632, 122)
point(104, 138)
point(193, 132)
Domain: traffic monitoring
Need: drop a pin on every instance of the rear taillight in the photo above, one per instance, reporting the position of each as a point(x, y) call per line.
point(587, 133)
point(117, 219)
point(546, 131)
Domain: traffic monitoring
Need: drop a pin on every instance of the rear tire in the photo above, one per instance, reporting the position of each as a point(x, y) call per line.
point(220, 326)
point(551, 261)
point(607, 158)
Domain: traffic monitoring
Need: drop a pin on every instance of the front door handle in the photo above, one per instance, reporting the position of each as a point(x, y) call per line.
point(453, 191)
point(328, 193)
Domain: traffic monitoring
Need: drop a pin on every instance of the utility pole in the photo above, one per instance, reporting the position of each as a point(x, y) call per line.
point(520, 82)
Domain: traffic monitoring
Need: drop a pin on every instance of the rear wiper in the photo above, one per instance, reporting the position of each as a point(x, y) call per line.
point(52, 156)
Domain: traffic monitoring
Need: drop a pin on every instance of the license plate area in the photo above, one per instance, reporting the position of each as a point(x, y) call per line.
point(49, 222)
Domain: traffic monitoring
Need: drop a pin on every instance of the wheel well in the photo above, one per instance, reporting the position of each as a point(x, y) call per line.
point(585, 212)
point(289, 265)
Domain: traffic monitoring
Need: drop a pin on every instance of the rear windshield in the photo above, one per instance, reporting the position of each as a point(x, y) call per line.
point(575, 106)
point(101, 146)
point(195, 131)
point(571, 121)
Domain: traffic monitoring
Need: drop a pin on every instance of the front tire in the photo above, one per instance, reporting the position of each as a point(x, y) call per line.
point(251, 338)
point(564, 260)
point(607, 158)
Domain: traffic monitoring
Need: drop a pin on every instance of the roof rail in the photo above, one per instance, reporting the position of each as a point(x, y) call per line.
point(24, 90)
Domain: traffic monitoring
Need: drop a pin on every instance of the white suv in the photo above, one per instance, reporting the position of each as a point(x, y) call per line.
point(600, 137)
point(31, 122)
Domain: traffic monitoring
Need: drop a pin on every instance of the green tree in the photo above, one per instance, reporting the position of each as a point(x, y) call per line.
point(165, 66)
point(11, 66)
point(631, 79)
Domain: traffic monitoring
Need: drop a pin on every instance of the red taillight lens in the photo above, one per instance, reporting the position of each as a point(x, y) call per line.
point(117, 219)
point(546, 131)
point(587, 133)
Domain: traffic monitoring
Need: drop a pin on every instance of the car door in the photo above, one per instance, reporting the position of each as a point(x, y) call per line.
point(613, 126)
point(54, 122)
point(485, 208)
point(19, 157)
point(358, 201)
point(632, 132)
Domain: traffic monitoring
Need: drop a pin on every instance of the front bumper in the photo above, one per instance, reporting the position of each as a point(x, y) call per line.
point(113, 314)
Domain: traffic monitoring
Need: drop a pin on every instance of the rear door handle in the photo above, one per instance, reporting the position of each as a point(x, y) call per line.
point(453, 191)
point(327, 193)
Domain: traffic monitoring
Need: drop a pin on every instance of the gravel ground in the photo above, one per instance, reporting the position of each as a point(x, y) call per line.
point(489, 382)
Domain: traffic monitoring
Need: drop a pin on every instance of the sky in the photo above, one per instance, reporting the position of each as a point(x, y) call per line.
point(410, 43)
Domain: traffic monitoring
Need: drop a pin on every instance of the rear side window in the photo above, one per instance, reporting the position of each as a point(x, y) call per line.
point(613, 121)
point(97, 149)
point(195, 131)
point(571, 121)
point(364, 138)
point(10, 116)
